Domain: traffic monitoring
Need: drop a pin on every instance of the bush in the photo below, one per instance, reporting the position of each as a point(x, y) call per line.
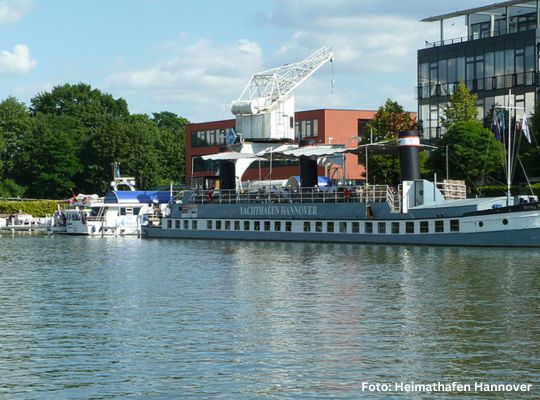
point(37, 208)
point(493, 191)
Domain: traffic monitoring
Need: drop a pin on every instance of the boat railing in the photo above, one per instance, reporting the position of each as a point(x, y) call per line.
point(332, 194)
point(453, 189)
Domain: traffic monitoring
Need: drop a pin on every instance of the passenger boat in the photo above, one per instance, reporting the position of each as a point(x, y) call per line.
point(417, 212)
point(118, 213)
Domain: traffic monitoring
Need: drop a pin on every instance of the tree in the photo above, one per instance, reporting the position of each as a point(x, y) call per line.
point(530, 153)
point(389, 120)
point(172, 144)
point(15, 128)
point(386, 123)
point(461, 107)
point(49, 158)
point(474, 152)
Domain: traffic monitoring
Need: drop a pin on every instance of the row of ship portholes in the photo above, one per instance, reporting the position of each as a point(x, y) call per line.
point(504, 221)
point(365, 227)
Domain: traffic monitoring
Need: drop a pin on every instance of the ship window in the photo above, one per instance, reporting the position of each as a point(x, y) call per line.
point(307, 226)
point(505, 221)
point(129, 211)
point(343, 227)
point(277, 226)
point(256, 225)
point(266, 225)
point(246, 225)
point(355, 227)
point(236, 225)
point(136, 210)
point(288, 226)
point(329, 227)
point(424, 227)
point(318, 226)
point(227, 225)
point(454, 225)
point(439, 226)
point(209, 224)
point(177, 224)
point(480, 224)
point(169, 224)
point(194, 224)
point(218, 225)
point(409, 227)
point(186, 222)
point(369, 227)
point(382, 227)
point(395, 227)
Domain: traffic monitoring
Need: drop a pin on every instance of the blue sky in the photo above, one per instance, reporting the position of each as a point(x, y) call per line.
point(194, 57)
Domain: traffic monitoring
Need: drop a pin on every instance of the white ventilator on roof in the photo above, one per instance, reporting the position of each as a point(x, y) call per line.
point(265, 109)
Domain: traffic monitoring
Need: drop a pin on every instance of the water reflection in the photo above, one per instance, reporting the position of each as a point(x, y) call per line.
point(95, 317)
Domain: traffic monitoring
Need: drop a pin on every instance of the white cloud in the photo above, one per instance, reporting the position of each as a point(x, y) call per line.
point(199, 73)
point(13, 10)
point(18, 62)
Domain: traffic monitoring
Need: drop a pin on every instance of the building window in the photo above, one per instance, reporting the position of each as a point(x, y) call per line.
point(186, 224)
point(454, 225)
point(236, 225)
point(288, 226)
point(424, 227)
point(342, 227)
point(355, 227)
point(395, 227)
point(218, 225)
point(169, 224)
point(209, 224)
point(277, 226)
point(318, 226)
point(227, 225)
point(257, 225)
point(177, 224)
point(439, 226)
point(307, 226)
point(266, 225)
point(194, 224)
point(246, 225)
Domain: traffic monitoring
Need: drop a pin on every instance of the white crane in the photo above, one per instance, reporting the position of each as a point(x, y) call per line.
point(265, 109)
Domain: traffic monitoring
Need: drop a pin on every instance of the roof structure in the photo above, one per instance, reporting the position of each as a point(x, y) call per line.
point(482, 9)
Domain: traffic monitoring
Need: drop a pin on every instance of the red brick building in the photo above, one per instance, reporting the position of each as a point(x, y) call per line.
point(336, 127)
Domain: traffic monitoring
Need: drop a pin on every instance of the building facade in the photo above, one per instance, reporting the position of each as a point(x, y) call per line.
point(337, 127)
point(497, 59)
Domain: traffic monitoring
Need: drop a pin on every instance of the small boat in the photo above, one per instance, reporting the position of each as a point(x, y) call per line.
point(21, 222)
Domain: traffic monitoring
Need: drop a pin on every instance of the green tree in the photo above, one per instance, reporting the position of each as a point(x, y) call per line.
point(171, 144)
point(474, 152)
point(15, 128)
point(530, 152)
point(461, 107)
point(49, 159)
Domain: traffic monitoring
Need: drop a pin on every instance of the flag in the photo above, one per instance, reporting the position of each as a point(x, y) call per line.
point(525, 128)
point(502, 124)
point(495, 128)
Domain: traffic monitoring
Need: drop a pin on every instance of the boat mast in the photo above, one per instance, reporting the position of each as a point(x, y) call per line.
point(509, 149)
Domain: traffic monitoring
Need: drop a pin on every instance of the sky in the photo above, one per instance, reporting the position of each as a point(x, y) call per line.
point(194, 57)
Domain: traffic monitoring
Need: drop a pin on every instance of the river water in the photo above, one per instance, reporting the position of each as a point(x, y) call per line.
point(100, 318)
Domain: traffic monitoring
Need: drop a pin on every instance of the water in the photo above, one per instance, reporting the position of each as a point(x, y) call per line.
point(99, 318)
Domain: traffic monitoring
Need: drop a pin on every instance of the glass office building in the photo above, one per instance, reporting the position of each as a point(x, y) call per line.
point(497, 59)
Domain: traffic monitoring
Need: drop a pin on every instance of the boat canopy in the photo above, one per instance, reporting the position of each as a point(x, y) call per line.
point(137, 196)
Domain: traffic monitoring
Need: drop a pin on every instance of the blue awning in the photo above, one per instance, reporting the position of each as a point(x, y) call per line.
point(137, 196)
